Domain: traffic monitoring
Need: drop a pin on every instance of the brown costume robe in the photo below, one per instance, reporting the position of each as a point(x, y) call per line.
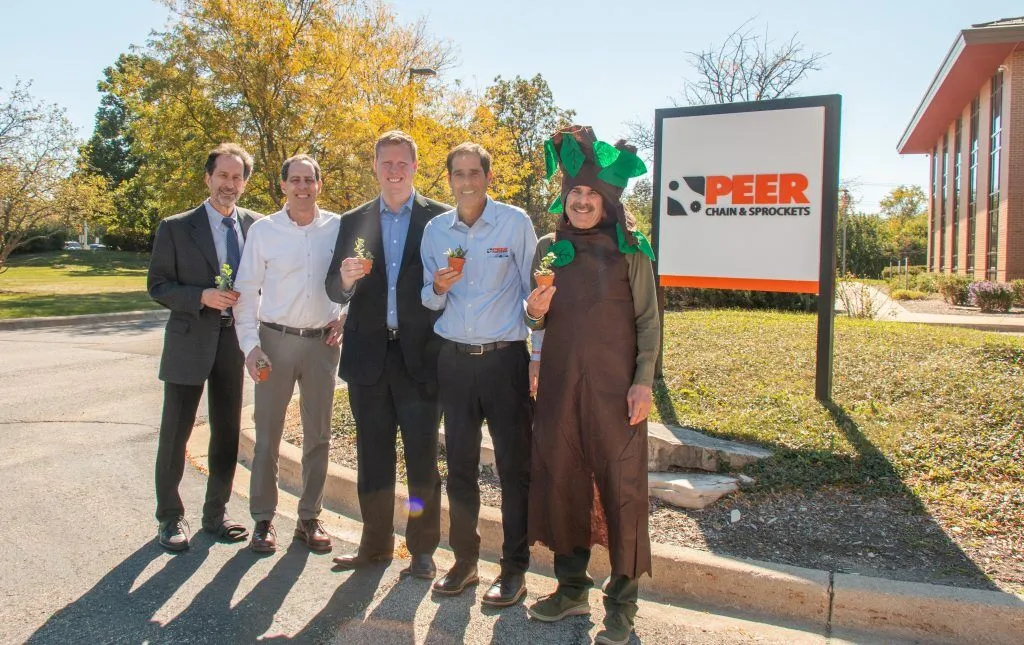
point(589, 469)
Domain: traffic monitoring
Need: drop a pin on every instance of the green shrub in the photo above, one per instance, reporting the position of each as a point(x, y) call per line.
point(992, 296)
point(908, 294)
point(128, 239)
point(46, 239)
point(955, 289)
point(889, 273)
point(679, 298)
point(1018, 292)
point(927, 282)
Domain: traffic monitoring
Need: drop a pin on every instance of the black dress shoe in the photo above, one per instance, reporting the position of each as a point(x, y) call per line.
point(422, 566)
point(462, 575)
point(508, 589)
point(361, 559)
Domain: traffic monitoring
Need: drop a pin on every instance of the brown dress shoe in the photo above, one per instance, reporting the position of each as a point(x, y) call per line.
point(313, 534)
point(264, 537)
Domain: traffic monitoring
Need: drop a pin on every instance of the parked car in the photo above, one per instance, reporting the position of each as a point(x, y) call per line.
point(71, 245)
point(97, 247)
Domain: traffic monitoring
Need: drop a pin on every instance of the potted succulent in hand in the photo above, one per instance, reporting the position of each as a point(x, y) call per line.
point(225, 281)
point(545, 274)
point(363, 254)
point(262, 370)
point(456, 258)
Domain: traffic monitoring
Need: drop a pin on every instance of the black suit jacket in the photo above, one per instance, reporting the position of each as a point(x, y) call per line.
point(184, 263)
point(364, 349)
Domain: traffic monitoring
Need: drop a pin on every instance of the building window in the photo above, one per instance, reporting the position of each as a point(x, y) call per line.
point(995, 149)
point(942, 203)
point(932, 222)
point(972, 186)
point(955, 250)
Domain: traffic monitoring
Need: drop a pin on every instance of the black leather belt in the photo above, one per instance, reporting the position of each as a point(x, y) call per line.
point(227, 321)
point(476, 350)
point(392, 334)
point(294, 331)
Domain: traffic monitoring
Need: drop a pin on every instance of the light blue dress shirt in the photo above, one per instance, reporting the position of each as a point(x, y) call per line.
point(394, 229)
point(220, 231)
point(486, 305)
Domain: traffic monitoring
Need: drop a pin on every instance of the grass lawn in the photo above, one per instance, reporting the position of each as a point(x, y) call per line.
point(74, 282)
point(934, 415)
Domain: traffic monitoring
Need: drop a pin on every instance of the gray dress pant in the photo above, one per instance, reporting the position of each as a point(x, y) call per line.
point(312, 364)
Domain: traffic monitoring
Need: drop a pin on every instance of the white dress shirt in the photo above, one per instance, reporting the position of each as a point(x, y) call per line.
point(281, 277)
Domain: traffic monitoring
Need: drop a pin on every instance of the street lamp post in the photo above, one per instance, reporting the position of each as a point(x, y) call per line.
point(417, 71)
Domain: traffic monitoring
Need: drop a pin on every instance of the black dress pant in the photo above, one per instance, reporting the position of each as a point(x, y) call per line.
point(179, 415)
point(397, 402)
point(494, 386)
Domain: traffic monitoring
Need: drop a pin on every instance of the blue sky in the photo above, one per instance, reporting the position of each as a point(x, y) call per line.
point(610, 61)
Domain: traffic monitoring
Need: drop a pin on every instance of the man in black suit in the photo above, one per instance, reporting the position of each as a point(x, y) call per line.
point(389, 358)
point(200, 345)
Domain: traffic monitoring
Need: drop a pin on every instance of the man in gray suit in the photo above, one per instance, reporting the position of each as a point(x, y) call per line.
point(200, 346)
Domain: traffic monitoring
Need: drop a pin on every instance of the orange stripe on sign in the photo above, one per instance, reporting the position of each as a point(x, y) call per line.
point(745, 284)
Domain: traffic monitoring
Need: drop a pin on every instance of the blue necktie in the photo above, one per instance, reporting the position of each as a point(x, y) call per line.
point(234, 253)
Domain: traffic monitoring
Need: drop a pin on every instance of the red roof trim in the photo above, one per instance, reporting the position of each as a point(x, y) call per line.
point(974, 56)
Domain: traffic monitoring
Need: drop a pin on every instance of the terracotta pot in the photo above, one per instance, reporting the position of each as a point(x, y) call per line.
point(262, 370)
point(456, 263)
point(367, 265)
point(544, 279)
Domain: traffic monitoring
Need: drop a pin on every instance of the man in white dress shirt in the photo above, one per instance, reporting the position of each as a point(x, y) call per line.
point(284, 317)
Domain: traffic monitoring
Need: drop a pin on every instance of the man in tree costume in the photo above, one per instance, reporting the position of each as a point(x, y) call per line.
point(596, 369)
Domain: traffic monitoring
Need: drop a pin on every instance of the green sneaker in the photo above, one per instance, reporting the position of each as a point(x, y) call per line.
point(617, 630)
point(553, 608)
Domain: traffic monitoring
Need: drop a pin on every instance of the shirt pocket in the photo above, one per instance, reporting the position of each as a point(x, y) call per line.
point(496, 269)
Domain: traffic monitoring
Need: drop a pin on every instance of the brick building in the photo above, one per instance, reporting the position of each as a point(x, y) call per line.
point(971, 124)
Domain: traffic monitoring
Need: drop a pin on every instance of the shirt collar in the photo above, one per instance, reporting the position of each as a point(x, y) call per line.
point(316, 217)
point(214, 215)
point(404, 210)
point(488, 216)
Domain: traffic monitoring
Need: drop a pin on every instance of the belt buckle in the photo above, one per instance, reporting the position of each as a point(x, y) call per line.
point(480, 353)
point(392, 334)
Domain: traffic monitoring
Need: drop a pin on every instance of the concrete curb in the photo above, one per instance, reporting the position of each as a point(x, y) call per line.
point(810, 597)
point(62, 321)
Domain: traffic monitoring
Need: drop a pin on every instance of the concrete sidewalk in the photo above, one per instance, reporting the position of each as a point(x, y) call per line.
point(888, 309)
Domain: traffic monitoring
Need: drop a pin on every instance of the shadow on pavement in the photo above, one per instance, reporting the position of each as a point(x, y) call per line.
point(112, 612)
point(392, 620)
point(348, 603)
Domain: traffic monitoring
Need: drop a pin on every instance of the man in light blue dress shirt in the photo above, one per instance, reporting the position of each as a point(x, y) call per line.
point(483, 365)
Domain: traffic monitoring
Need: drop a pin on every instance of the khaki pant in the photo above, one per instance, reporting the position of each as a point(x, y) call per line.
point(312, 364)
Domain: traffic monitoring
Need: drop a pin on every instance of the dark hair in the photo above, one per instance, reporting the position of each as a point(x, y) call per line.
point(470, 148)
point(303, 157)
point(394, 138)
point(234, 150)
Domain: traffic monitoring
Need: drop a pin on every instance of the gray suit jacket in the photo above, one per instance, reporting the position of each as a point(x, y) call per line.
point(184, 263)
